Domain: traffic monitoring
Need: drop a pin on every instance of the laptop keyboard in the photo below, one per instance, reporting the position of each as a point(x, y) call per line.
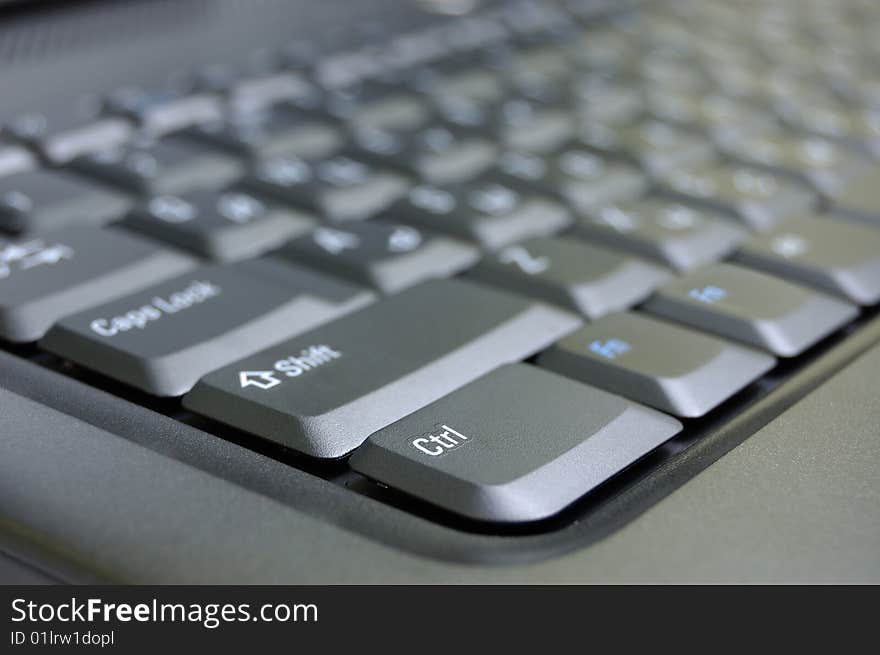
point(491, 275)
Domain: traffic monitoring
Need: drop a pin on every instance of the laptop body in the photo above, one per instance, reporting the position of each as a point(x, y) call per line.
point(110, 476)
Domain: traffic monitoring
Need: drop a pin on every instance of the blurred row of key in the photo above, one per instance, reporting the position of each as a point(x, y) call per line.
point(561, 202)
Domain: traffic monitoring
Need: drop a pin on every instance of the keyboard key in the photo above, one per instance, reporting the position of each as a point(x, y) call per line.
point(168, 166)
point(272, 133)
point(325, 392)
point(66, 271)
point(255, 85)
point(41, 200)
point(163, 111)
point(589, 280)
point(220, 225)
point(536, 129)
point(384, 256)
point(608, 49)
point(675, 369)
point(259, 92)
point(607, 100)
point(655, 146)
point(678, 235)
point(835, 255)
point(473, 85)
point(758, 198)
point(581, 178)
point(486, 213)
point(538, 66)
point(518, 123)
point(850, 125)
point(498, 451)
point(437, 155)
point(860, 199)
point(339, 189)
point(826, 165)
point(164, 338)
point(67, 135)
point(715, 115)
point(378, 106)
point(14, 159)
point(752, 307)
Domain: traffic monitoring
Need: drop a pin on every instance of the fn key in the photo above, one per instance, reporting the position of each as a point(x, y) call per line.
point(519, 444)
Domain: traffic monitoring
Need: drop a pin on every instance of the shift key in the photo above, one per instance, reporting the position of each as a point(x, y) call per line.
point(325, 392)
point(164, 338)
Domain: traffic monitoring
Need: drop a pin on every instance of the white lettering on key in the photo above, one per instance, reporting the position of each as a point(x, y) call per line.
point(31, 254)
point(435, 445)
point(404, 239)
point(172, 209)
point(138, 319)
point(527, 263)
point(618, 219)
point(308, 359)
point(260, 379)
point(790, 246)
point(240, 208)
point(336, 241)
point(432, 199)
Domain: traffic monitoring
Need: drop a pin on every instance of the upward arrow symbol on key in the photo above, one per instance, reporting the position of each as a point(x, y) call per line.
point(260, 379)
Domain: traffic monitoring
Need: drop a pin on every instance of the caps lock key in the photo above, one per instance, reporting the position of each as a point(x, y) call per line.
point(166, 337)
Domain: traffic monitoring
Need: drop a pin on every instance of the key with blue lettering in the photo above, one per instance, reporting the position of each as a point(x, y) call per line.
point(675, 369)
point(759, 309)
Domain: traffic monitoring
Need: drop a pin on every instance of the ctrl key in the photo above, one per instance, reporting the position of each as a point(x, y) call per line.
point(517, 445)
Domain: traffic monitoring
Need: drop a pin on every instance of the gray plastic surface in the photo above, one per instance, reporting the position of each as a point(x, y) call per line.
point(797, 502)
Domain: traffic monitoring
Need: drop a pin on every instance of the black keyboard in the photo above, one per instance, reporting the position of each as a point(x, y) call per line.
point(488, 272)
